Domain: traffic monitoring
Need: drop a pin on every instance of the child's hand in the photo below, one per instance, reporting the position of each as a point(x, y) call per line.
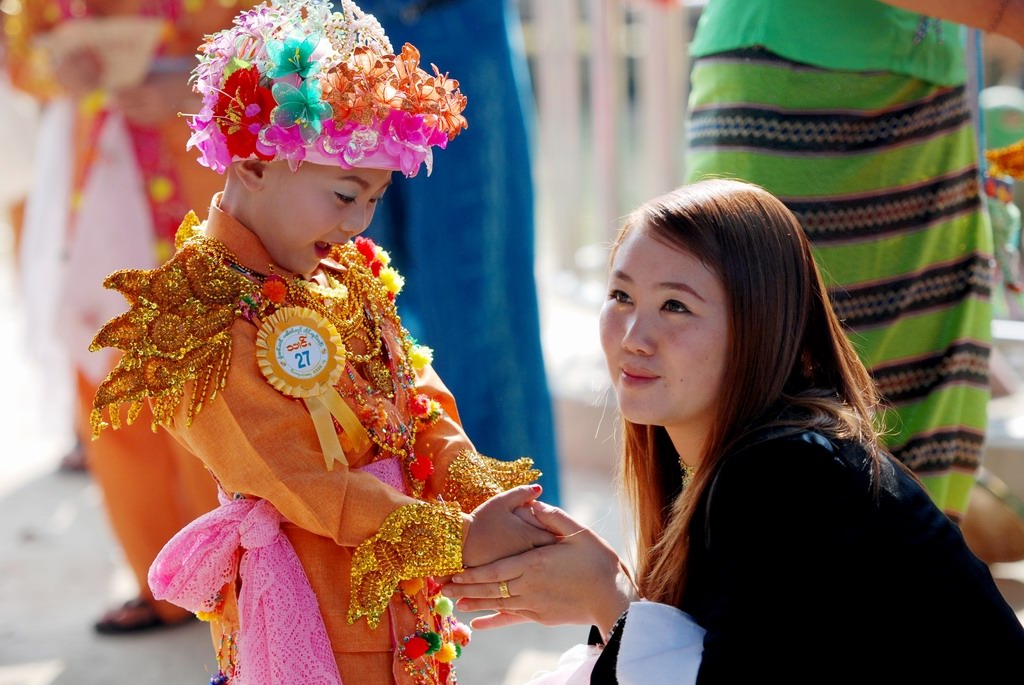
point(496, 531)
point(525, 513)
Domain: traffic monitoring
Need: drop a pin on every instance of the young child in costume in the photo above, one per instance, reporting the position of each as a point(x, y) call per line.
point(271, 347)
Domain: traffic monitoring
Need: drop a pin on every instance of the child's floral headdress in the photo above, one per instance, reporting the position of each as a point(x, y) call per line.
point(293, 80)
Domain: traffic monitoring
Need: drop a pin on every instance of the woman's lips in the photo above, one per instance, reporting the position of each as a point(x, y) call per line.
point(637, 376)
point(322, 249)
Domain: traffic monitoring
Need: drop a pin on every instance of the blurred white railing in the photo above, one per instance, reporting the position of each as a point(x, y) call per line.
point(610, 79)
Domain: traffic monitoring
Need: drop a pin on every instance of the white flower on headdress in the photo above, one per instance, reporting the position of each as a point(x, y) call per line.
point(362, 143)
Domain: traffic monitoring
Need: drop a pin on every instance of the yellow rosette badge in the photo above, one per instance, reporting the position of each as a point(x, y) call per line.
point(302, 355)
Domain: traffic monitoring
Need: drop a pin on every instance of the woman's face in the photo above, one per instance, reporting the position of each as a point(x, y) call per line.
point(665, 332)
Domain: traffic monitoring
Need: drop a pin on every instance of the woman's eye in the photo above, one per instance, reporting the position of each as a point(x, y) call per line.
point(618, 296)
point(345, 198)
point(675, 306)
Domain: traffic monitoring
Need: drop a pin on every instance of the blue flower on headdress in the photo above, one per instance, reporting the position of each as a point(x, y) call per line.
point(293, 55)
point(300, 107)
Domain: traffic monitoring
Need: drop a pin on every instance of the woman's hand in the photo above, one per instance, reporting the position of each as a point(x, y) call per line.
point(497, 531)
point(580, 580)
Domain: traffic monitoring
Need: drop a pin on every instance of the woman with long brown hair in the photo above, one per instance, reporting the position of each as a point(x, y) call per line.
point(766, 513)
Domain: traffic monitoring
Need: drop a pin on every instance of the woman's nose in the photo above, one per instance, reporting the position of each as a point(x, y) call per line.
point(637, 337)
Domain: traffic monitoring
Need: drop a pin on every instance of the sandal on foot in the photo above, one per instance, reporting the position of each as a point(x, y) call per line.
point(134, 616)
point(73, 461)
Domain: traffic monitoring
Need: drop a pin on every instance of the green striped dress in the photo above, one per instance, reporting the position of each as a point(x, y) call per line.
point(881, 169)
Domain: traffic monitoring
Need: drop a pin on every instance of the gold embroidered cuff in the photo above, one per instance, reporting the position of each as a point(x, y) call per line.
point(414, 541)
point(474, 478)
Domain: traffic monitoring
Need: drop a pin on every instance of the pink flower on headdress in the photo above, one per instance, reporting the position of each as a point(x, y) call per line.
point(217, 54)
point(406, 140)
point(286, 143)
point(410, 128)
point(257, 21)
point(208, 139)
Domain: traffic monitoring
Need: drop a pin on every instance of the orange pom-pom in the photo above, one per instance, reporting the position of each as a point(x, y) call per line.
point(274, 289)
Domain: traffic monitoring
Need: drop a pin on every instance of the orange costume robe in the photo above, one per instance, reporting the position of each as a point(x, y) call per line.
point(367, 547)
point(164, 181)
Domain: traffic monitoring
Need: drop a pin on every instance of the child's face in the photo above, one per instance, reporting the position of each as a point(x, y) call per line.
point(301, 214)
point(665, 331)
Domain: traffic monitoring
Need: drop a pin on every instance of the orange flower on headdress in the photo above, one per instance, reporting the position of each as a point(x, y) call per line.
point(369, 86)
point(340, 93)
point(453, 103)
point(407, 63)
point(357, 89)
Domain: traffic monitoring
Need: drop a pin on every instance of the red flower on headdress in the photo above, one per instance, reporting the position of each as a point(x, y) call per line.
point(243, 108)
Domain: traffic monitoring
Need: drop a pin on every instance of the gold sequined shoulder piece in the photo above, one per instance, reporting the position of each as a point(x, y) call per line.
point(474, 478)
point(176, 330)
point(190, 228)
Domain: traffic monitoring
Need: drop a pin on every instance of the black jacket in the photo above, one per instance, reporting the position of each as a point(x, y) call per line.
point(798, 571)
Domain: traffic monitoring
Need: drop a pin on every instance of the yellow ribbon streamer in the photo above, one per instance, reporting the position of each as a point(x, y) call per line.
point(321, 408)
point(329, 443)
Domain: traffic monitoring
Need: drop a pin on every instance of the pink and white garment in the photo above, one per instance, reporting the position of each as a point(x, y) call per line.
point(281, 634)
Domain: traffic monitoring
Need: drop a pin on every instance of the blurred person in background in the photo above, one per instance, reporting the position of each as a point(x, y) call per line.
point(115, 181)
point(18, 114)
point(483, 269)
point(855, 113)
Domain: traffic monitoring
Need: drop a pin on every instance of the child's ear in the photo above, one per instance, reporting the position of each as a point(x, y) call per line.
point(252, 173)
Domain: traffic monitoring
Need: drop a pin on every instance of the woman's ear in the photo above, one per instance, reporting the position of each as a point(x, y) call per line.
point(252, 173)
